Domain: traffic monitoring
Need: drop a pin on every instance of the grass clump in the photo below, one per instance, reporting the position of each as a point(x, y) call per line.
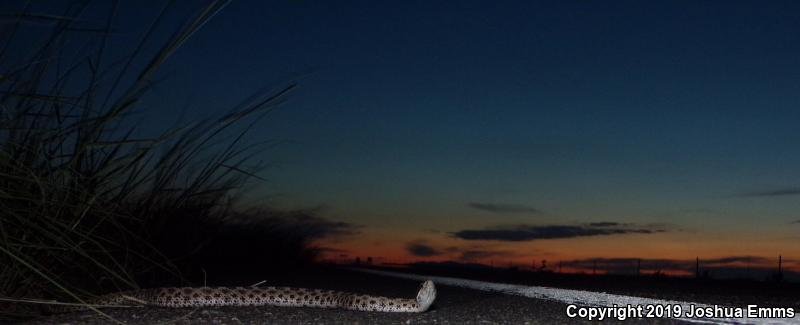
point(87, 205)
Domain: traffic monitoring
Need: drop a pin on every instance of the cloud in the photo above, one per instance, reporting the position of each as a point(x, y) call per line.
point(470, 255)
point(331, 250)
point(604, 224)
point(422, 250)
point(736, 259)
point(466, 254)
point(500, 208)
point(795, 222)
point(785, 191)
point(530, 232)
point(300, 223)
point(318, 227)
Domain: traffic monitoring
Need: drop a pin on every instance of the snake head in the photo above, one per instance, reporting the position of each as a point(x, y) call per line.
point(426, 295)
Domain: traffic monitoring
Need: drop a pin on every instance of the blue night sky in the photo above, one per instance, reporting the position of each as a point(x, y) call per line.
point(420, 119)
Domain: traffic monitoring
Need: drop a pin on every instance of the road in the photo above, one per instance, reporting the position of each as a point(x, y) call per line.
point(454, 305)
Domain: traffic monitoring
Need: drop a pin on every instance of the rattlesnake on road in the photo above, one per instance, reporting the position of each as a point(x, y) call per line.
point(261, 296)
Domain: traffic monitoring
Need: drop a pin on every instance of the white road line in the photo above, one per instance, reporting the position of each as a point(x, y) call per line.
point(584, 298)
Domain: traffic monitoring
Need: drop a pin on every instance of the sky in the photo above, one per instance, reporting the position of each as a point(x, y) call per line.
point(516, 131)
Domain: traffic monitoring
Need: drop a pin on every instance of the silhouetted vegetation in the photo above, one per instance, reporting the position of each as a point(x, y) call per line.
point(88, 204)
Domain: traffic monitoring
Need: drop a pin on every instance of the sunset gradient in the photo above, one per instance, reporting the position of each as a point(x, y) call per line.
point(513, 133)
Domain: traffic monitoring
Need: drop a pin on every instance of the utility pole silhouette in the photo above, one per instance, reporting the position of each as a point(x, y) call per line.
point(638, 266)
point(559, 266)
point(594, 267)
point(697, 268)
point(779, 276)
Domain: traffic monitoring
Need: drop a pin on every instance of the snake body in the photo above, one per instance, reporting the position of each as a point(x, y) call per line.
point(261, 296)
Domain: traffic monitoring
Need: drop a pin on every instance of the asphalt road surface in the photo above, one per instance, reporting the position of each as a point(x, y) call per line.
point(453, 305)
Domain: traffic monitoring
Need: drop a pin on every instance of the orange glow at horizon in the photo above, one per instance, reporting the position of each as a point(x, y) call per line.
point(391, 247)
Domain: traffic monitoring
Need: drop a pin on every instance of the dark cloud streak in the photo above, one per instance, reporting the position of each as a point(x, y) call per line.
point(737, 259)
point(604, 224)
point(467, 254)
point(471, 255)
point(787, 191)
point(422, 250)
point(529, 232)
point(500, 208)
